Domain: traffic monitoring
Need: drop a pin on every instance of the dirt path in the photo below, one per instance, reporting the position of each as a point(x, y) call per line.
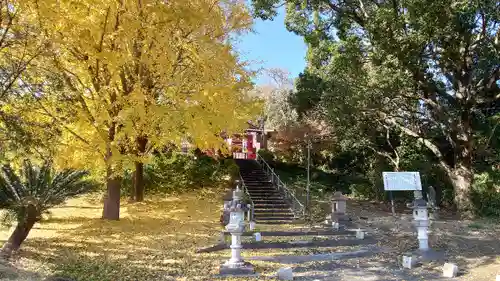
point(473, 245)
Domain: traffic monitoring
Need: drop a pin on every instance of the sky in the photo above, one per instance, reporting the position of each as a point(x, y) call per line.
point(272, 46)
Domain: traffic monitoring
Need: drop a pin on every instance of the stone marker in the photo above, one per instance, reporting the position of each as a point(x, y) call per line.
point(251, 225)
point(409, 262)
point(450, 270)
point(258, 236)
point(339, 207)
point(285, 273)
point(335, 225)
point(433, 204)
point(360, 234)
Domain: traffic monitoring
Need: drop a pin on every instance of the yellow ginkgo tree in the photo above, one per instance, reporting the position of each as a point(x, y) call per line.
point(137, 74)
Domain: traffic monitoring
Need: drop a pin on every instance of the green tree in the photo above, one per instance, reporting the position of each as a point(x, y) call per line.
point(419, 67)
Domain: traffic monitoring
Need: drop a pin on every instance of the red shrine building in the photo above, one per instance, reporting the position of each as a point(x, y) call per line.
point(242, 145)
point(247, 144)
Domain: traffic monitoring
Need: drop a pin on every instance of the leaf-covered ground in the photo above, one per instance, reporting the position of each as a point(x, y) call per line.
point(158, 239)
point(154, 240)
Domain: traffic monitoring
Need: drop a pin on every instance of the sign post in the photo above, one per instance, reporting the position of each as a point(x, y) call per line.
point(401, 181)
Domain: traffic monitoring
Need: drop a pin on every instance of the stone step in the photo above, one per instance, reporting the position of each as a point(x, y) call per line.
point(266, 191)
point(267, 218)
point(259, 183)
point(276, 205)
point(275, 199)
point(274, 196)
point(273, 212)
point(273, 206)
point(274, 221)
point(280, 213)
point(265, 187)
point(263, 212)
point(250, 181)
point(256, 181)
point(263, 199)
point(260, 186)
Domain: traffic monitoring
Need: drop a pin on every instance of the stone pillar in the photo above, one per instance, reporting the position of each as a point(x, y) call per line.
point(339, 208)
point(235, 249)
point(421, 221)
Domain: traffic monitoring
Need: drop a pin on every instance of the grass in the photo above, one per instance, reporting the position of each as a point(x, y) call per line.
point(154, 240)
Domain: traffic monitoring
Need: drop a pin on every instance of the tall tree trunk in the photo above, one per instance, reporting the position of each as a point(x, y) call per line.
point(20, 233)
point(111, 210)
point(141, 143)
point(462, 174)
point(132, 189)
point(461, 179)
point(139, 181)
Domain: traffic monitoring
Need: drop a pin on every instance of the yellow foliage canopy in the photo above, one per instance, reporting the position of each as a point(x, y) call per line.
point(160, 69)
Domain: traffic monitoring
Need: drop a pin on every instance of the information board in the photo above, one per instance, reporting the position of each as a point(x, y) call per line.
point(401, 181)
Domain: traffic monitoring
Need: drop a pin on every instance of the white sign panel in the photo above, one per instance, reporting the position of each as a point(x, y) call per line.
point(408, 181)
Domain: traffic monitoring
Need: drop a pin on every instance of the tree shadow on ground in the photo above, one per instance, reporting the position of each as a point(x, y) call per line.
point(12, 272)
point(152, 241)
point(366, 270)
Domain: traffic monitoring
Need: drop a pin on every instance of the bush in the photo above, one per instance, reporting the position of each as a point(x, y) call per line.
point(267, 155)
point(486, 194)
point(181, 172)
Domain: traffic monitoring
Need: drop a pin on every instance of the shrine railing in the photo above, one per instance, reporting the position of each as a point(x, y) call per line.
point(296, 205)
point(250, 212)
point(240, 155)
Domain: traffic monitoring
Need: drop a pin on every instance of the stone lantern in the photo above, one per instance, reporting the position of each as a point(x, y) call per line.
point(228, 198)
point(421, 222)
point(339, 206)
point(236, 226)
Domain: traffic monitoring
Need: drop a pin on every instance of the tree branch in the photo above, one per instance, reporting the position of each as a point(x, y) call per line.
point(429, 144)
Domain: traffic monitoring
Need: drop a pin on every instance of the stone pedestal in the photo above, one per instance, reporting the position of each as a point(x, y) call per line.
point(245, 268)
point(236, 265)
point(338, 216)
point(236, 226)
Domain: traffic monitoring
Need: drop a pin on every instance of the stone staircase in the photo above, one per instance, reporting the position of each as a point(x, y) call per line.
point(269, 205)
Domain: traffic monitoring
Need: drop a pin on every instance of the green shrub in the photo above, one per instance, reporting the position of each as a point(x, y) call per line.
point(486, 194)
point(231, 169)
point(181, 172)
point(267, 155)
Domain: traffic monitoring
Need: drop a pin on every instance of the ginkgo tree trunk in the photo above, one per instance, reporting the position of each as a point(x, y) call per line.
point(159, 71)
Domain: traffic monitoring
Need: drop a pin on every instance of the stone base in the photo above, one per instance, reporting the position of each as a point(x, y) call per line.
point(244, 269)
point(431, 255)
point(340, 218)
